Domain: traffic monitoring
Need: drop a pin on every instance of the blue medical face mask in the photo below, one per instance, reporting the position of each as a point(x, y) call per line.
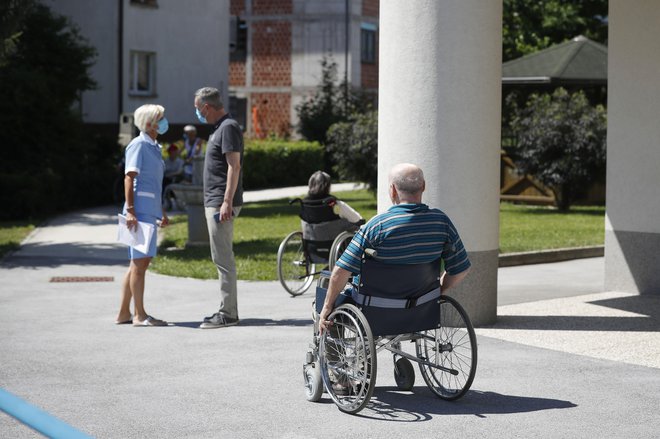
point(163, 125)
point(201, 118)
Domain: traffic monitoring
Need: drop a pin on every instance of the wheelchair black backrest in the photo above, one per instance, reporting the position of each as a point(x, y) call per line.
point(398, 281)
point(317, 211)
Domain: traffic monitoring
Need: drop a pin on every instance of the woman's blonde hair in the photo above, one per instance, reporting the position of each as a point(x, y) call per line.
point(147, 114)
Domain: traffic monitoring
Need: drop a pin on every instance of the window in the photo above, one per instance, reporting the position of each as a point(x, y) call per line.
point(237, 39)
point(368, 43)
point(143, 74)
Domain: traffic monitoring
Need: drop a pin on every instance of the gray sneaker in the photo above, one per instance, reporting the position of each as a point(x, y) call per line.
point(218, 320)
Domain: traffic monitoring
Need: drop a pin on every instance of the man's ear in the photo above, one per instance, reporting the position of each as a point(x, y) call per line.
point(394, 195)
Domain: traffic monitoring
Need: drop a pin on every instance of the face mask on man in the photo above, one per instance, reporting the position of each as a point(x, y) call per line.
point(201, 118)
point(163, 125)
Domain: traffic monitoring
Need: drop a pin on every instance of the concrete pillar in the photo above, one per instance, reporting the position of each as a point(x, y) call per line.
point(632, 228)
point(439, 107)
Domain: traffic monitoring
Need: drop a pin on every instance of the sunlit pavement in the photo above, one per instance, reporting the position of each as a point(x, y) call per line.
point(564, 359)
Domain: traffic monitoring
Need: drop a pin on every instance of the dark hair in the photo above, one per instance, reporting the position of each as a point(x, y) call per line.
point(319, 184)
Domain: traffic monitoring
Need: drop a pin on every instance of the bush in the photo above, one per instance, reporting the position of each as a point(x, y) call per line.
point(332, 103)
point(561, 142)
point(279, 163)
point(353, 146)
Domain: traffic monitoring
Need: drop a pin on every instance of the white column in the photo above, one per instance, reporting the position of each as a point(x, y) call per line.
point(632, 228)
point(439, 107)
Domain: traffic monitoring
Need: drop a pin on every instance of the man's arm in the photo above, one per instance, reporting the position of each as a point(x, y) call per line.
point(233, 172)
point(338, 280)
point(451, 280)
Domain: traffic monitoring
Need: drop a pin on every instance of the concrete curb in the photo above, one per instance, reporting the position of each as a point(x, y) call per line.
point(546, 256)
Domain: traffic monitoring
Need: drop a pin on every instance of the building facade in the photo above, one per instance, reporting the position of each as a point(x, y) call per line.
point(276, 50)
point(151, 51)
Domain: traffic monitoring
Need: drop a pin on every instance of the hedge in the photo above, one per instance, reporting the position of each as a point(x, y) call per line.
point(279, 163)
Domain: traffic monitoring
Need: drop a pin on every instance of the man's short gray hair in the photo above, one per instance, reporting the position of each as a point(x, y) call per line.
point(211, 96)
point(407, 178)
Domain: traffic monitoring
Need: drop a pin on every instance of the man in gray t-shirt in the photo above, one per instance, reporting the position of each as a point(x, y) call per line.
point(226, 138)
point(223, 198)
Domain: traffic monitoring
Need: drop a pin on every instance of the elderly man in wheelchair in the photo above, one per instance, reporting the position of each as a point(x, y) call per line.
point(400, 265)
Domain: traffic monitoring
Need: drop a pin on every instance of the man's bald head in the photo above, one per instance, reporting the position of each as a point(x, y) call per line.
point(408, 181)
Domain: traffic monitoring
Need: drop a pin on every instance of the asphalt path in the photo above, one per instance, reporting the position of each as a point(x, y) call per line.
point(565, 359)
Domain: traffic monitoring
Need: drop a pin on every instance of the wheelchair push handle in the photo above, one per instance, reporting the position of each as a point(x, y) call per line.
point(372, 253)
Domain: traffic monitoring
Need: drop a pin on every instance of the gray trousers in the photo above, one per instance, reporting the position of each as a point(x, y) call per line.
point(221, 236)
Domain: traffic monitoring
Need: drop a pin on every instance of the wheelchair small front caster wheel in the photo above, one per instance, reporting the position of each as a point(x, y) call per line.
point(313, 382)
point(404, 374)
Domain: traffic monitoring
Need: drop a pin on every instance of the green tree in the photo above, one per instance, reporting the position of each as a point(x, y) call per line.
point(12, 14)
point(50, 162)
point(561, 142)
point(532, 25)
point(333, 102)
point(353, 146)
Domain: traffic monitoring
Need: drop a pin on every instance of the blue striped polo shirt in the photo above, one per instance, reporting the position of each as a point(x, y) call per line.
point(408, 234)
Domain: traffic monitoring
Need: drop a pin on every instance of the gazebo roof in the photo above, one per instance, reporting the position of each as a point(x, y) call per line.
point(578, 61)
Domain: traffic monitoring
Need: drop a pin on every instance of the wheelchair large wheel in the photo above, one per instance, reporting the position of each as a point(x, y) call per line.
point(347, 353)
point(449, 352)
point(338, 246)
point(293, 267)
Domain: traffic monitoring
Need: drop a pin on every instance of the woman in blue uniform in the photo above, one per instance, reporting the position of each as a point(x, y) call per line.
point(143, 180)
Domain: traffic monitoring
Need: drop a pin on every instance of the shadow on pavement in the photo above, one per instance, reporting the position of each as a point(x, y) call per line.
point(253, 322)
point(647, 319)
point(391, 404)
point(577, 323)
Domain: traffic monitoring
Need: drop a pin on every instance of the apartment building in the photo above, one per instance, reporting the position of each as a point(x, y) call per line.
point(151, 51)
point(276, 48)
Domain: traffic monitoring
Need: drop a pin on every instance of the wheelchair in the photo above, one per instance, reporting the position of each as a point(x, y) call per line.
point(303, 254)
point(391, 304)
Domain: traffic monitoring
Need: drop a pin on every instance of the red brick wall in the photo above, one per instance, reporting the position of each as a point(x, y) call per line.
point(271, 53)
point(370, 8)
point(236, 7)
point(263, 7)
point(369, 72)
point(237, 73)
point(273, 113)
point(369, 75)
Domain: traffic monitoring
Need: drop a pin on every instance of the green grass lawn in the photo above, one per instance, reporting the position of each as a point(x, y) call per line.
point(528, 228)
point(12, 233)
point(262, 226)
point(257, 235)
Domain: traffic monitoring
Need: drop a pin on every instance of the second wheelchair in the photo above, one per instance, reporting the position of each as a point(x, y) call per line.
point(303, 254)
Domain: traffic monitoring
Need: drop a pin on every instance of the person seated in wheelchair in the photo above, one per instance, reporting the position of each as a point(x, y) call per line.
point(323, 217)
point(410, 232)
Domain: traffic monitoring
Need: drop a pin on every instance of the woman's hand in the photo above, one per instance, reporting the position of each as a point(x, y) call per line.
point(131, 221)
point(164, 221)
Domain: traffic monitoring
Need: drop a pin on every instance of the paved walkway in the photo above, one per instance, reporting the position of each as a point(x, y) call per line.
point(564, 360)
